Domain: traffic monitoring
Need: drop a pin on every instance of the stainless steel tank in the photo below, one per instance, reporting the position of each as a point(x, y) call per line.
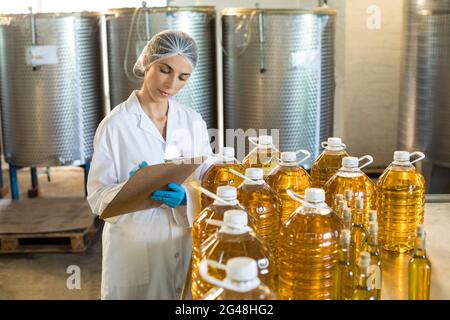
point(127, 37)
point(50, 111)
point(279, 74)
point(424, 114)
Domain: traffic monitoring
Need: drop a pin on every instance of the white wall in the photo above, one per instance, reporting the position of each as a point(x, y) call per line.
point(368, 76)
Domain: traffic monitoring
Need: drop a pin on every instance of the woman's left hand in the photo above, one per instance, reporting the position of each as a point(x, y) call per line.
point(173, 198)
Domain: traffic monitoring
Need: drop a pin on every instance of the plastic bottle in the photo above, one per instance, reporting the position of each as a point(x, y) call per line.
point(359, 232)
point(362, 290)
point(265, 155)
point(289, 175)
point(218, 174)
point(343, 273)
point(241, 281)
point(400, 202)
point(234, 239)
point(350, 177)
point(309, 244)
point(328, 162)
point(201, 230)
point(263, 207)
point(419, 269)
point(375, 258)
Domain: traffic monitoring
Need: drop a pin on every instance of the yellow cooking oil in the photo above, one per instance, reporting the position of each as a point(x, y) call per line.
point(241, 282)
point(328, 162)
point(400, 202)
point(359, 232)
point(234, 239)
point(343, 272)
point(419, 269)
point(363, 290)
point(264, 155)
point(375, 258)
point(201, 230)
point(308, 250)
point(350, 177)
point(263, 207)
point(218, 174)
point(289, 175)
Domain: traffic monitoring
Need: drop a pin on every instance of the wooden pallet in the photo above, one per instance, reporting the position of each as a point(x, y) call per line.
point(46, 225)
point(75, 241)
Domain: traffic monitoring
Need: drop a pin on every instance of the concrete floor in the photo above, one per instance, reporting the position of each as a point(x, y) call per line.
point(43, 276)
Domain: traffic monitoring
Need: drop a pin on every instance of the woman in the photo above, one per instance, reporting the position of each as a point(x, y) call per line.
point(146, 253)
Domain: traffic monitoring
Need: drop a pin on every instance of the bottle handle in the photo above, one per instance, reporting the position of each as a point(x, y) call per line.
point(203, 269)
point(211, 195)
point(245, 177)
point(221, 223)
point(221, 156)
point(253, 140)
point(298, 198)
point(204, 266)
point(369, 161)
point(306, 153)
point(420, 155)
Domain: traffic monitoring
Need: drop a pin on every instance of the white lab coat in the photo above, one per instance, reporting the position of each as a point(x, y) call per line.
point(145, 253)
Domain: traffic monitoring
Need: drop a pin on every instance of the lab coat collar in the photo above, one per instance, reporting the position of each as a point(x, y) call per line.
point(145, 123)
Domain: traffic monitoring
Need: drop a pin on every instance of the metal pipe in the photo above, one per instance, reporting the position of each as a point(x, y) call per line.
point(13, 182)
point(33, 32)
point(34, 178)
point(261, 40)
point(147, 20)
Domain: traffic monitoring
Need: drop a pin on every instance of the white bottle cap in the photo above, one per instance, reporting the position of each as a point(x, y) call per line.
point(402, 156)
point(373, 227)
point(342, 204)
point(350, 162)
point(314, 195)
point(364, 259)
point(236, 217)
point(348, 195)
point(373, 216)
point(254, 173)
point(347, 215)
point(288, 156)
point(335, 143)
point(346, 236)
point(242, 269)
point(227, 152)
point(359, 203)
point(265, 140)
point(420, 230)
point(227, 193)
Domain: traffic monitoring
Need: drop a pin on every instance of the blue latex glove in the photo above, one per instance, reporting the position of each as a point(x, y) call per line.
point(143, 164)
point(173, 198)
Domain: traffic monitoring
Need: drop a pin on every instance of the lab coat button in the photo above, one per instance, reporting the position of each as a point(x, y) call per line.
point(177, 255)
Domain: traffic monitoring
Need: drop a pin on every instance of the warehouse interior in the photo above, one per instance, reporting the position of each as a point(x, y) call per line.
point(374, 73)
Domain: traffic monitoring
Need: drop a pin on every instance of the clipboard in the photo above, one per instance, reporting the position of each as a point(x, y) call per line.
point(135, 194)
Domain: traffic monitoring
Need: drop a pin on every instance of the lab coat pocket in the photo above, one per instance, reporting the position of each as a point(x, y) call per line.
point(128, 259)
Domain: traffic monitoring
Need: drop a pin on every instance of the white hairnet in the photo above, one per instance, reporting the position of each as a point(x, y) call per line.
point(166, 44)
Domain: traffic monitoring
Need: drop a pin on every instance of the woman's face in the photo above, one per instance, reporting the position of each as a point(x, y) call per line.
point(166, 77)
